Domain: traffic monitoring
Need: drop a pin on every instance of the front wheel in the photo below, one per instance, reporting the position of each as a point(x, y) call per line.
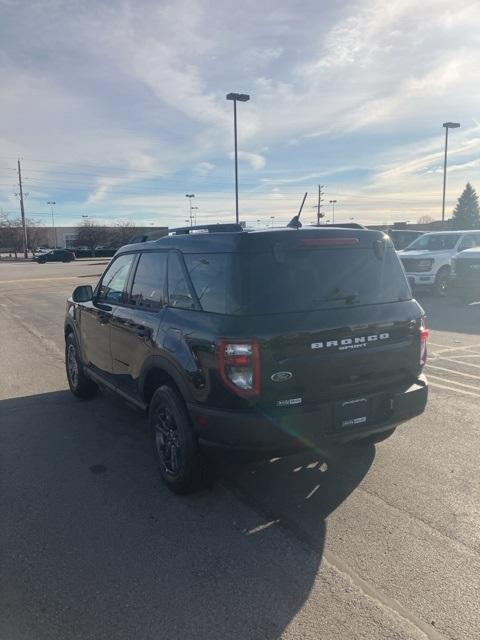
point(79, 384)
point(179, 460)
point(442, 281)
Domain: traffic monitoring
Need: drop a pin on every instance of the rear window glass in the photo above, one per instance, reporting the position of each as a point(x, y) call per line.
point(304, 279)
point(209, 277)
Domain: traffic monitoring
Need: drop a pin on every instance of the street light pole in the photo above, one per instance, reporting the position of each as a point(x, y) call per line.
point(447, 125)
point(190, 196)
point(333, 203)
point(51, 203)
point(241, 97)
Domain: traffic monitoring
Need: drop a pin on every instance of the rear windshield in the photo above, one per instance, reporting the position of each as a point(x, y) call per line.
point(296, 280)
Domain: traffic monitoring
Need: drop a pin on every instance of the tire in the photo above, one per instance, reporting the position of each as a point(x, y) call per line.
point(442, 281)
point(375, 438)
point(80, 385)
point(175, 447)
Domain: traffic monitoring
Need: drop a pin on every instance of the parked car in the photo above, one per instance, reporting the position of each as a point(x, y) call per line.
point(428, 260)
point(402, 238)
point(259, 342)
point(465, 277)
point(55, 255)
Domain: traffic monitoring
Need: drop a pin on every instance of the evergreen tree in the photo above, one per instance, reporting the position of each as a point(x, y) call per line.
point(466, 214)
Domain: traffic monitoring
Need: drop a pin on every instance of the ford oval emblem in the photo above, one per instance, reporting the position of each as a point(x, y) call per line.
point(281, 376)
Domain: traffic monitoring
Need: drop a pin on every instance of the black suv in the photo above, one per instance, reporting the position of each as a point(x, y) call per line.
point(261, 342)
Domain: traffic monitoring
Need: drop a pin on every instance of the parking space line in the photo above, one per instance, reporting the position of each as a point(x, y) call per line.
point(460, 384)
point(465, 364)
point(72, 277)
point(445, 347)
point(435, 385)
point(458, 373)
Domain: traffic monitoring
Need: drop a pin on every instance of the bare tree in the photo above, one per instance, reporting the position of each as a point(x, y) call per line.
point(425, 219)
point(122, 233)
point(91, 235)
point(11, 234)
point(37, 235)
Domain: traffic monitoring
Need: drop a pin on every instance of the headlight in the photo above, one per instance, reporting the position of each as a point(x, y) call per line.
point(424, 265)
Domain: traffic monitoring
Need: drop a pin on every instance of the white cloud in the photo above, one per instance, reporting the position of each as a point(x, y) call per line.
point(368, 89)
point(256, 160)
point(204, 168)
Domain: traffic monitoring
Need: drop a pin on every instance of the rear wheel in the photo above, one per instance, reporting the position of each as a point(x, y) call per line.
point(79, 384)
point(176, 450)
point(442, 281)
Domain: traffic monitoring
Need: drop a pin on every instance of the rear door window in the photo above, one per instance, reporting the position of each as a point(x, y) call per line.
point(149, 282)
point(179, 292)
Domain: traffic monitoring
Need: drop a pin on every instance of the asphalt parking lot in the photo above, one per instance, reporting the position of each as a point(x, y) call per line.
point(373, 543)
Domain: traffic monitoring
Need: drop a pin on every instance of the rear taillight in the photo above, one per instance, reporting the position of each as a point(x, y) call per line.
point(239, 366)
point(423, 340)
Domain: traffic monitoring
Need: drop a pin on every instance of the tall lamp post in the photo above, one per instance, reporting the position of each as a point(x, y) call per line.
point(190, 196)
point(447, 125)
point(240, 97)
point(333, 203)
point(51, 203)
point(195, 214)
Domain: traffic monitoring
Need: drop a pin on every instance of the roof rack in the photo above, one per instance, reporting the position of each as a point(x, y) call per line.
point(206, 228)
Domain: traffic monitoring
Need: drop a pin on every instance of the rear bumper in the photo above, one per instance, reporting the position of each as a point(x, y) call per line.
point(293, 430)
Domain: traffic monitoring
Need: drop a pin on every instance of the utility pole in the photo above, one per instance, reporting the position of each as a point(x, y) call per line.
point(319, 203)
point(190, 196)
point(22, 209)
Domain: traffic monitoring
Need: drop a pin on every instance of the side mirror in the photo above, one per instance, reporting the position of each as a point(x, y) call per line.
point(84, 293)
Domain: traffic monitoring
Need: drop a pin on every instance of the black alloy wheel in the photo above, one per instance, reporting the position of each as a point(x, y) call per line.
point(176, 450)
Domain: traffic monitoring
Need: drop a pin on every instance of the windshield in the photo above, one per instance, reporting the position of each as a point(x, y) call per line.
point(434, 242)
point(296, 280)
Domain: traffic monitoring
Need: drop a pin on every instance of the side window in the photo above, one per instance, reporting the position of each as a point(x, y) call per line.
point(149, 281)
point(468, 242)
point(115, 279)
point(179, 294)
point(209, 277)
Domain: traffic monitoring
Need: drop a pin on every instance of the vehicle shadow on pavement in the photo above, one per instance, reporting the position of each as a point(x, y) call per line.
point(97, 548)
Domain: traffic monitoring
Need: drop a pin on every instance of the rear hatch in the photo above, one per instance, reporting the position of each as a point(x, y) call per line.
point(334, 316)
point(330, 310)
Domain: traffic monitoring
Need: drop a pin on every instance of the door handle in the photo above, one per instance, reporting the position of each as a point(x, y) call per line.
point(103, 318)
point(142, 332)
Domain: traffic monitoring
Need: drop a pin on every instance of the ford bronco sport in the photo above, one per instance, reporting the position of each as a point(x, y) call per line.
point(264, 342)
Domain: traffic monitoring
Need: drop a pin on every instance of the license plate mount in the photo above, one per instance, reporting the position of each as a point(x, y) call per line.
point(352, 413)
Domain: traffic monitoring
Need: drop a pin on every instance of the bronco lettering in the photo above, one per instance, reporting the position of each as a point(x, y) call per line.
point(350, 343)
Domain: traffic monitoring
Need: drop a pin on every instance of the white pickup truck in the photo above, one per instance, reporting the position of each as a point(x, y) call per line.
point(428, 260)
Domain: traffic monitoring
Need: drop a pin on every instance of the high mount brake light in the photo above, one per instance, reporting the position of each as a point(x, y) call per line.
point(332, 242)
point(424, 332)
point(239, 366)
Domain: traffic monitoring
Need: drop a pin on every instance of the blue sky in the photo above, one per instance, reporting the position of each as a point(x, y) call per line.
point(117, 109)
